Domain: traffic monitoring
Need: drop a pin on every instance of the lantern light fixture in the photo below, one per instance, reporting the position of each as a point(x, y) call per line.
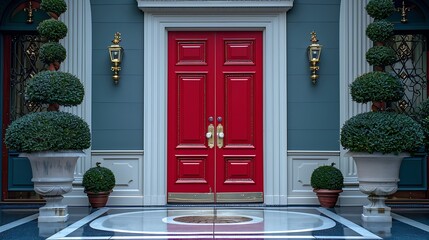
point(314, 51)
point(116, 54)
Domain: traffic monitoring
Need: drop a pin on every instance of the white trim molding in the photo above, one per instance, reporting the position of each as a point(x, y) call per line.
point(236, 5)
point(156, 26)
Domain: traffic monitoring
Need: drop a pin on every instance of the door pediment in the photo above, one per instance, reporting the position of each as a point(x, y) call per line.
point(210, 5)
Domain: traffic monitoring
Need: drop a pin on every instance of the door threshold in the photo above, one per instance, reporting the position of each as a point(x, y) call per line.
point(215, 205)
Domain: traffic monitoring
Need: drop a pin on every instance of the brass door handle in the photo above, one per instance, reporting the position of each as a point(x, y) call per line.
point(210, 136)
point(220, 135)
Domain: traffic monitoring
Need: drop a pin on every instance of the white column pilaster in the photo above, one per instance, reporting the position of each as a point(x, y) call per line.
point(78, 44)
point(353, 47)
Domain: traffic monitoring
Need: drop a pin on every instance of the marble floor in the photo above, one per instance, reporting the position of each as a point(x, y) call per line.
point(212, 222)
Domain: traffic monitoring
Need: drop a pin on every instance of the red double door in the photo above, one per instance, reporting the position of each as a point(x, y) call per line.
point(215, 135)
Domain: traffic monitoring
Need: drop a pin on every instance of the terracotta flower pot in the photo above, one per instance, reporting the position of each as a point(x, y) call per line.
point(98, 200)
point(327, 198)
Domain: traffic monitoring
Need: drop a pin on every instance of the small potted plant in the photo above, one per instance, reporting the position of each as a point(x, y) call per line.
point(98, 183)
point(327, 183)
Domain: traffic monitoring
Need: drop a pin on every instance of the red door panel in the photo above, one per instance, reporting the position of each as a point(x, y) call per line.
point(214, 80)
point(239, 163)
point(191, 93)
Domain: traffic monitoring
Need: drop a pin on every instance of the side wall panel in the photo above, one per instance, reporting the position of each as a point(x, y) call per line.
point(313, 110)
point(117, 111)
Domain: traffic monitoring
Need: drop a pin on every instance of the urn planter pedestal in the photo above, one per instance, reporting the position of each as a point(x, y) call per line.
point(378, 176)
point(53, 175)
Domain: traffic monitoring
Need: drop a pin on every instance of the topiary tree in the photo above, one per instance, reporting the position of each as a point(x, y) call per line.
point(380, 56)
point(362, 132)
point(385, 132)
point(327, 177)
point(52, 52)
point(380, 9)
point(379, 140)
point(52, 140)
point(98, 179)
point(43, 131)
point(376, 86)
point(55, 88)
point(54, 7)
point(54, 130)
point(379, 31)
point(52, 29)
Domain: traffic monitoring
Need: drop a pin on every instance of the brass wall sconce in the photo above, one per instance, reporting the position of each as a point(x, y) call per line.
point(116, 54)
point(314, 50)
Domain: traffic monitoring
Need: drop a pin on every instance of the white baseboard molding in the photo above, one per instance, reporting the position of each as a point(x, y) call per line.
point(303, 200)
point(350, 197)
point(78, 198)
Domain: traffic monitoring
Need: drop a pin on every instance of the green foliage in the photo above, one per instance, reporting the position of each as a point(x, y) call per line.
point(327, 177)
point(51, 131)
point(52, 52)
point(55, 87)
point(423, 110)
point(56, 6)
point(385, 132)
point(425, 125)
point(380, 9)
point(52, 29)
point(377, 87)
point(380, 56)
point(379, 31)
point(48, 131)
point(98, 179)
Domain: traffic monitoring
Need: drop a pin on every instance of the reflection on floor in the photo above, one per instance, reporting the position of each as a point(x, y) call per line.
point(214, 222)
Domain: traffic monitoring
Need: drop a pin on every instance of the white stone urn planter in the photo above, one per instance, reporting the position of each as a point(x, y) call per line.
point(53, 174)
point(378, 176)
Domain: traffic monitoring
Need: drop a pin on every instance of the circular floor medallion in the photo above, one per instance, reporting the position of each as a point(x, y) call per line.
point(212, 219)
point(201, 221)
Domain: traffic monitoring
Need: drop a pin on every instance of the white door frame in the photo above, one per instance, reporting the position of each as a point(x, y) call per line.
point(272, 21)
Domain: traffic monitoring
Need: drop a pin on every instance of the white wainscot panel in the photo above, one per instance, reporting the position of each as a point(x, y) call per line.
point(128, 169)
point(300, 169)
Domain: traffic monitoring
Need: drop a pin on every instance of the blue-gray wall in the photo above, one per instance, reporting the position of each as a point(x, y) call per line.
point(313, 110)
point(117, 110)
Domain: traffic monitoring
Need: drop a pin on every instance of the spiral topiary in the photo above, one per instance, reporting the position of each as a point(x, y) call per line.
point(327, 177)
point(379, 31)
point(380, 9)
point(385, 132)
point(53, 30)
point(98, 179)
point(52, 52)
point(380, 56)
point(53, 130)
point(376, 86)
